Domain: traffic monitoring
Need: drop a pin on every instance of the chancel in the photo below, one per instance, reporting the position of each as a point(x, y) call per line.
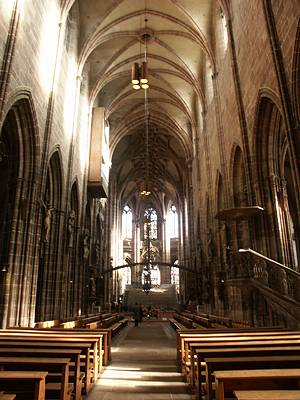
point(149, 199)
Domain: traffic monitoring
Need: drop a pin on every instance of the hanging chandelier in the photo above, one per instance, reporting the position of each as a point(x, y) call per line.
point(139, 72)
point(145, 188)
point(139, 76)
point(147, 268)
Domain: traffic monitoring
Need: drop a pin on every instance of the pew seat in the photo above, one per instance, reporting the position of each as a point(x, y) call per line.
point(75, 375)
point(88, 331)
point(117, 326)
point(176, 324)
point(251, 362)
point(7, 396)
point(61, 365)
point(267, 394)
point(258, 379)
point(33, 381)
point(85, 349)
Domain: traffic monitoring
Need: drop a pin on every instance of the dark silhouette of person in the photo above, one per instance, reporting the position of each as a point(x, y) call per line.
point(136, 314)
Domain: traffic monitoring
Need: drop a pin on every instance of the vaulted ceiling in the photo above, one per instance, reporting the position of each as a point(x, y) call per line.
point(178, 47)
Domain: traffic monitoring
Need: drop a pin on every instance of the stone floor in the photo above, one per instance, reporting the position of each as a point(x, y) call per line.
point(143, 366)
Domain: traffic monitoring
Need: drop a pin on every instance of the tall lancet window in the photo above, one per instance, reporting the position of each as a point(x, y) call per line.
point(127, 223)
point(150, 223)
point(173, 222)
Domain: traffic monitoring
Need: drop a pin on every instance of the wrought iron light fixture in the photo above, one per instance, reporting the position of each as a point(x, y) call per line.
point(147, 267)
point(139, 73)
point(145, 189)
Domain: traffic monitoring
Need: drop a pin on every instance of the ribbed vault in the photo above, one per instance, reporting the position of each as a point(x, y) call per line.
point(178, 50)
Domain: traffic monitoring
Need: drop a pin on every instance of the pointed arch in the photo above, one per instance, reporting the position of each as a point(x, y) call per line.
point(276, 188)
point(19, 149)
point(296, 76)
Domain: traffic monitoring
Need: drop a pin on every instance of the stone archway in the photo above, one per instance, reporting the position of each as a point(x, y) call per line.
point(277, 190)
point(18, 247)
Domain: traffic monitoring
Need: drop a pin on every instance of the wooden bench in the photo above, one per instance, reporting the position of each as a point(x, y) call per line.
point(190, 344)
point(70, 324)
point(202, 354)
point(202, 321)
point(60, 365)
point(175, 324)
point(84, 346)
point(184, 338)
point(220, 320)
point(239, 343)
point(251, 362)
point(49, 335)
point(47, 324)
point(185, 321)
point(106, 336)
point(185, 333)
point(267, 394)
point(229, 381)
point(107, 322)
point(7, 396)
point(73, 354)
point(117, 326)
point(33, 380)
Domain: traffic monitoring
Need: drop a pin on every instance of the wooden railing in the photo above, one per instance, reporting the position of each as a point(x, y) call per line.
point(249, 264)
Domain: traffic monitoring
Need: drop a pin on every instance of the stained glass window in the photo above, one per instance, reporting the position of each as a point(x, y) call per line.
point(127, 223)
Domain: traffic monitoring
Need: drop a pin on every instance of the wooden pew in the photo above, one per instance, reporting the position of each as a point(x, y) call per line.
point(239, 342)
point(72, 354)
point(7, 396)
point(117, 326)
point(12, 380)
point(202, 321)
point(204, 353)
point(190, 343)
point(106, 336)
point(228, 381)
point(187, 322)
point(267, 394)
point(184, 339)
point(251, 362)
point(175, 324)
point(36, 334)
point(185, 333)
point(107, 322)
point(218, 320)
point(47, 324)
point(70, 324)
point(60, 365)
point(80, 344)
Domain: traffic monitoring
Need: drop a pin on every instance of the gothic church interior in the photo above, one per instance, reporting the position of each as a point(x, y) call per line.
point(184, 186)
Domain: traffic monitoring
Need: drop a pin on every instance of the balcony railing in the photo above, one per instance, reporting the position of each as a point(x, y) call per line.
point(249, 264)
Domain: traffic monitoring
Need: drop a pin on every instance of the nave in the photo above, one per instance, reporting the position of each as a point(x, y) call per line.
point(143, 366)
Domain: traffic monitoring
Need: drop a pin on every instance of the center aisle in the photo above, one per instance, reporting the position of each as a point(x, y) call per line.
point(143, 366)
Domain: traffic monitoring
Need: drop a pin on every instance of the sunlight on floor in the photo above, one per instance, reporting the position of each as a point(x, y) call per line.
point(127, 373)
point(133, 377)
point(134, 383)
